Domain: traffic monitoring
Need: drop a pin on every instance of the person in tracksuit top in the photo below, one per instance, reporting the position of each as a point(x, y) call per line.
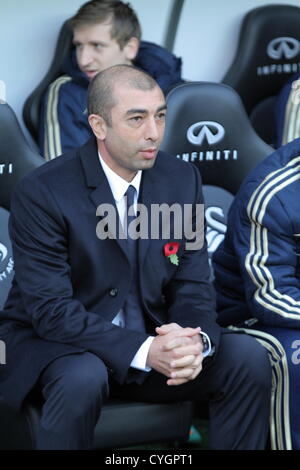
point(257, 266)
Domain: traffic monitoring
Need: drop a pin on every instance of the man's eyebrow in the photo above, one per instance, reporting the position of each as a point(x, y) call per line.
point(162, 108)
point(77, 42)
point(136, 111)
point(144, 111)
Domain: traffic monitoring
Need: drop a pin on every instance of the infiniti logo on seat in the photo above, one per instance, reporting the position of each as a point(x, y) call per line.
point(283, 47)
point(212, 131)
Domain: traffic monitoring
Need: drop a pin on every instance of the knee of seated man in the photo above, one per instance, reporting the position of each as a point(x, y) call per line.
point(249, 358)
point(85, 380)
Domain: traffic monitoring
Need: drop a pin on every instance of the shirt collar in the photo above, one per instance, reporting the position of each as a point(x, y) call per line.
point(117, 184)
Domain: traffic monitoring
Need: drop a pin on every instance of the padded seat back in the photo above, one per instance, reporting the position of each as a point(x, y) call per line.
point(31, 110)
point(208, 125)
point(16, 159)
point(268, 52)
point(16, 156)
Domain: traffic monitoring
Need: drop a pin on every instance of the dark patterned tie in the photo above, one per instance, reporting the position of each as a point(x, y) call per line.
point(133, 311)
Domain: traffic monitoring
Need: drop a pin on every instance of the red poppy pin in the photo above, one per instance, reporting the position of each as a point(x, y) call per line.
point(170, 251)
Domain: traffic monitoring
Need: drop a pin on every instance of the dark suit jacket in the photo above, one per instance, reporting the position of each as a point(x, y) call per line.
point(69, 284)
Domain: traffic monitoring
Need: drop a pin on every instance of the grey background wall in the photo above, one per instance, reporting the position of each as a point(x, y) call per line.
point(206, 38)
point(208, 34)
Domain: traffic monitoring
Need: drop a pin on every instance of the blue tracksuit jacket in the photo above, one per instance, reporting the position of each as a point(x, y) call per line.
point(257, 266)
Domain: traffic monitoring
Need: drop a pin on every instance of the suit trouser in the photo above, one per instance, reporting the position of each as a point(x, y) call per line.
point(236, 381)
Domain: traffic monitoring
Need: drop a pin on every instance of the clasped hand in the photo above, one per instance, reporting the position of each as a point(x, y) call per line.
point(176, 352)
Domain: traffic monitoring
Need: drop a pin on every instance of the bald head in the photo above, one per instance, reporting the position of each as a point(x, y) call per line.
point(101, 98)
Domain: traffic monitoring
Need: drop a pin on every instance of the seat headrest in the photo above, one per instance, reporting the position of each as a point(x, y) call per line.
point(208, 125)
point(268, 52)
point(16, 156)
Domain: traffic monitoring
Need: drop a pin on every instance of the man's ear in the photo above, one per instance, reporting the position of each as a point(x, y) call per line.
point(98, 126)
point(131, 48)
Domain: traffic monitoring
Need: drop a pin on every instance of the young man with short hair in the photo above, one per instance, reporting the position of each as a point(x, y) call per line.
point(105, 33)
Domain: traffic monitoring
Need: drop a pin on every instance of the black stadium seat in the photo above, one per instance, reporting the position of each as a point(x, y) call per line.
point(268, 53)
point(122, 423)
point(208, 126)
point(16, 156)
point(31, 110)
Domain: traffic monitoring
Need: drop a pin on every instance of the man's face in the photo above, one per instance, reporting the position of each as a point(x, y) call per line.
point(96, 50)
point(131, 143)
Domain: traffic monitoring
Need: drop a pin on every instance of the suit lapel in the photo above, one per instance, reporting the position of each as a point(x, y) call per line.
point(100, 192)
point(145, 199)
point(150, 193)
